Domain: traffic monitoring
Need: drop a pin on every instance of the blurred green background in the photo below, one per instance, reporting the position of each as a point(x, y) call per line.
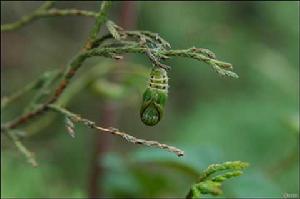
point(213, 119)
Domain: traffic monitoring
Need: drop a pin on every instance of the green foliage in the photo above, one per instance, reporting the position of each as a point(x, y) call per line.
point(110, 90)
point(208, 184)
point(44, 89)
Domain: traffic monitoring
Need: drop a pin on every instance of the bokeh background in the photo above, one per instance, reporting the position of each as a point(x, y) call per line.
point(213, 119)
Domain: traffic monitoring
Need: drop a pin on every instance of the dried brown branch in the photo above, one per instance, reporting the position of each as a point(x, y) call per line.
point(76, 118)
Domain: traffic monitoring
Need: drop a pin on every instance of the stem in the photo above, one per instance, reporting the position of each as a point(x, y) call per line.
point(100, 20)
point(46, 5)
point(105, 52)
point(27, 18)
point(70, 72)
point(113, 131)
point(45, 11)
point(29, 155)
point(100, 40)
point(69, 12)
point(18, 24)
point(9, 99)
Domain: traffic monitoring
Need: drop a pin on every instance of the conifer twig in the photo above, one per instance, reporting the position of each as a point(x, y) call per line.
point(208, 184)
point(111, 53)
point(69, 12)
point(45, 10)
point(76, 118)
point(11, 98)
point(142, 42)
point(21, 147)
point(70, 72)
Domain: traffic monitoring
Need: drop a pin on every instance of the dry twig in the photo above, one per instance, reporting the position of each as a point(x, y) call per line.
point(76, 118)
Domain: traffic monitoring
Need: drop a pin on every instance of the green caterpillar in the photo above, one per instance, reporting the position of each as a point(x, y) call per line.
point(155, 97)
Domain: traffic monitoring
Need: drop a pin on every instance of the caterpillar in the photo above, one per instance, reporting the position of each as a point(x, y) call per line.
point(155, 97)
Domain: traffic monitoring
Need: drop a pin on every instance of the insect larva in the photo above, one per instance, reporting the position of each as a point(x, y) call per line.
point(155, 97)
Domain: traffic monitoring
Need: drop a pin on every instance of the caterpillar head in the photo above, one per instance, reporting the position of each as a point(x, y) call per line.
point(158, 73)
